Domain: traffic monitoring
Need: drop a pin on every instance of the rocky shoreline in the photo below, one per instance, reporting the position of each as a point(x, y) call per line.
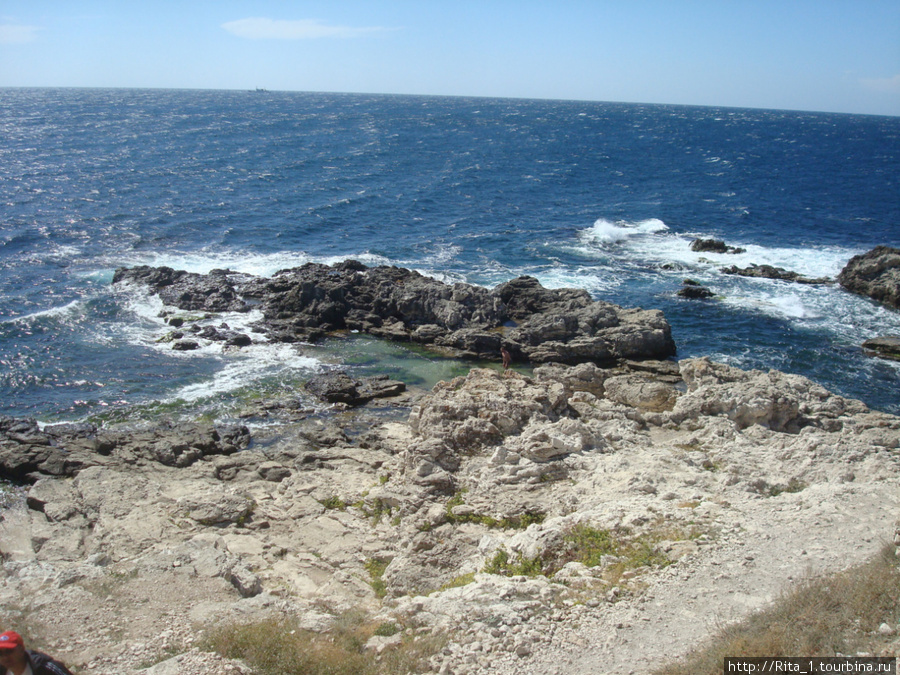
point(476, 516)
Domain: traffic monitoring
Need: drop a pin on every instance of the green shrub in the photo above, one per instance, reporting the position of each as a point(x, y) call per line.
point(334, 502)
point(501, 564)
point(376, 567)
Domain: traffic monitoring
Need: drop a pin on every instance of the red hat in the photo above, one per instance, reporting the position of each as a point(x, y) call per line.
point(10, 640)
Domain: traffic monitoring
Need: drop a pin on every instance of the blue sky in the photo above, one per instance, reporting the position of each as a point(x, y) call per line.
point(824, 55)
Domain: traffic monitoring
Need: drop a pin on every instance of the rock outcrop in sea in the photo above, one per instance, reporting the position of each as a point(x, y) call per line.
point(771, 272)
point(875, 274)
point(714, 246)
point(536, 324)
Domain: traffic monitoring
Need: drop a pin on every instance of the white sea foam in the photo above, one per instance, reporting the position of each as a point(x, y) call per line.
point(651, 241)
point(250, 365)
point(257, 264)
point(607, 232)
point(851, 319)
point(623, 252)
point(62, 311)
point(777, 302)
point(238, 369)
point(596, 283)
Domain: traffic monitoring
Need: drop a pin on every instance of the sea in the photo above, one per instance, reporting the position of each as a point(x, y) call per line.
point(607, 197)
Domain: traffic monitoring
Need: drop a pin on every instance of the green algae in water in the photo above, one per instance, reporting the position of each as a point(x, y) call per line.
point(360, 355)
point(414, 365)
point(218, 405)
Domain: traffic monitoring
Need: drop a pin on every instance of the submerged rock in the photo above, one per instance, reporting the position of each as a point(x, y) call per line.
point(875, 274)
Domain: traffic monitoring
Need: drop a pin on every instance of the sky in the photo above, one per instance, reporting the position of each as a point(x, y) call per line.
point(816, 55)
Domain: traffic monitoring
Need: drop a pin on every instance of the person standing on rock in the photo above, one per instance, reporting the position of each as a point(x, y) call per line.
point(16, 660)
point(506, 356)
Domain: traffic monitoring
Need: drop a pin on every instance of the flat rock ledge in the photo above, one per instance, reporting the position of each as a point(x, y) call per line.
point(305, 303)
point(737, 482)
point(778, 273)
point(887, 347)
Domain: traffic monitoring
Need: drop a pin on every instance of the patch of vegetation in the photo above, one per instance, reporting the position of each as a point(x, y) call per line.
point(516, 521)
point(588, 545)
point(334, 503)
point(278, 646)
point(376, 567)
point(520, 566)
point(375, 509)
point(616, 550)
point(458, 582)
point(793, 485)
point(822, 616)
point(387, 629)
point(763, 488)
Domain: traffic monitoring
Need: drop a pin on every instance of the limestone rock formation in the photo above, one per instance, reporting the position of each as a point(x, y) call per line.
point(465, 518)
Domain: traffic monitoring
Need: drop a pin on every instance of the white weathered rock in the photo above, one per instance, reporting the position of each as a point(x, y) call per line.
point(734, 470)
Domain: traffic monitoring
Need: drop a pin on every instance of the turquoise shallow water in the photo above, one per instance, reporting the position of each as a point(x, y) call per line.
point(606, 197)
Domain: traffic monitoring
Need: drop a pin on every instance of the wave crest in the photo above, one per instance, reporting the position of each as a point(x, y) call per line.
point(608, 232)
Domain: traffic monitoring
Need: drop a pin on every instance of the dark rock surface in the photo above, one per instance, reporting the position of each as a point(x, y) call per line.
point(887, 347)
point(27, 452)
point(714, 246)
point(692, 290)
point(875, 274)
point(213, 292)
point(536, 323)
point(770, 272)
point(337, 387)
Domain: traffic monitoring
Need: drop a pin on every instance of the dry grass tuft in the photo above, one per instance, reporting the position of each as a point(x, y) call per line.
point(824, 616)
point(279, 647)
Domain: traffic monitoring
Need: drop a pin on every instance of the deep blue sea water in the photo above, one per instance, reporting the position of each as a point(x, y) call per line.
point(602, 196)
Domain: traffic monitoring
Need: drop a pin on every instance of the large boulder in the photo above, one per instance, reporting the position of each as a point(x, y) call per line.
point(875, 274)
